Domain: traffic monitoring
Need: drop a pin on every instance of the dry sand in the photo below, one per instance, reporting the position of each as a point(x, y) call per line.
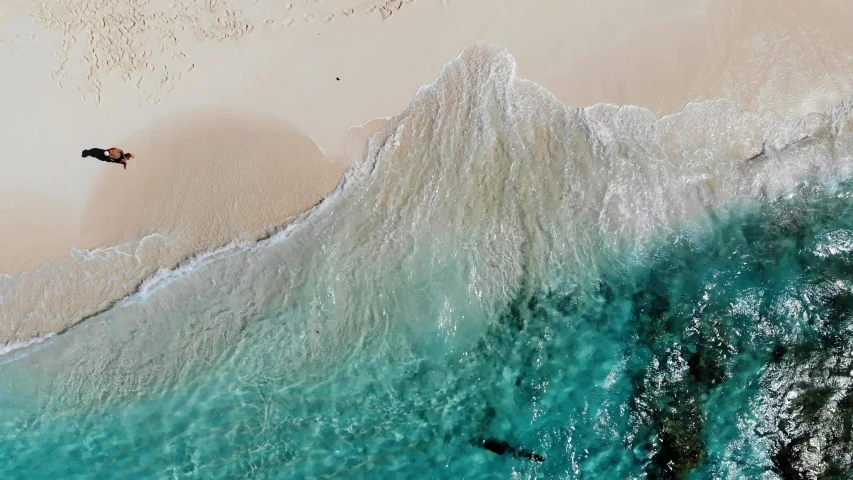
point(223, 101)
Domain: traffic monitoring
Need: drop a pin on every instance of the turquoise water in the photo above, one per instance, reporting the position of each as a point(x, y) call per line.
point(624, 296)
point(681, 358)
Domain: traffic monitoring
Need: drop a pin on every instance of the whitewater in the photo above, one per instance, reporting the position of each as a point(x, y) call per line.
point(626, 296)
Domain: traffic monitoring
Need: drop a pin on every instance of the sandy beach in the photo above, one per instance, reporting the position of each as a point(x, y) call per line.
point(244, 114)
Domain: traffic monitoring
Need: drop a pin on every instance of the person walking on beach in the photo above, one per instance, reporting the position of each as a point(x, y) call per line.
point(110, 155)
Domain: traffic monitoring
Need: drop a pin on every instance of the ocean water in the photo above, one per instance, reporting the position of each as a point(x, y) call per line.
point(622, 296)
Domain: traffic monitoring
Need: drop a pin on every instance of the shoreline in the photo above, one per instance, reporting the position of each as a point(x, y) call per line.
point(318, 81)
point(260, 175)
point(194, 259)
point(170, 273)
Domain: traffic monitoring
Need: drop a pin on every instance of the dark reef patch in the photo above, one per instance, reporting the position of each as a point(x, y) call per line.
point(748, 320)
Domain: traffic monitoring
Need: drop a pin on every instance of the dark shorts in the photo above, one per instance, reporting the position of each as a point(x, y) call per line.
point(99, 154)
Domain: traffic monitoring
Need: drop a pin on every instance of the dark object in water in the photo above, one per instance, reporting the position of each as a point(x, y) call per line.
point(501, 448)
point(762, 152)
point(764, 147)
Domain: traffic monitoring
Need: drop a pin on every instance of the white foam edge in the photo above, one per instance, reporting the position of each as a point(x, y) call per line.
point(79, 255)
point(11, 350)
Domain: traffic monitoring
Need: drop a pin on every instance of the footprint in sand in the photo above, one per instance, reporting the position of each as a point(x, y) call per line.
point(309, 17)
point(288, 22)
point(330, 18)
point(288, 6)
point(349, 12)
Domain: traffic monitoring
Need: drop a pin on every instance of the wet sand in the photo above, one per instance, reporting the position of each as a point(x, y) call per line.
point(209, 178)
point(199, 182)
point(36, 227)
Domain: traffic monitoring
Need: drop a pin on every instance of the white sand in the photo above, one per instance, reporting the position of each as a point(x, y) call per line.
point(82, 73)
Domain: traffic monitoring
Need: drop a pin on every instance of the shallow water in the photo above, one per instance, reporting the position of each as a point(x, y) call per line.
point(626, 297)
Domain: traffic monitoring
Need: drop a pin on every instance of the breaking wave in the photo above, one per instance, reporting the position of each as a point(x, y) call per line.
point(499, 265)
